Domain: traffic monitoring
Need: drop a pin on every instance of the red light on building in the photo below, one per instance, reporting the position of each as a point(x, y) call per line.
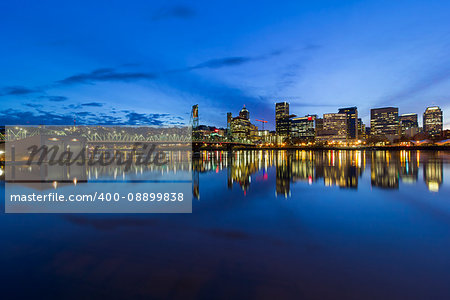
point(309, 118)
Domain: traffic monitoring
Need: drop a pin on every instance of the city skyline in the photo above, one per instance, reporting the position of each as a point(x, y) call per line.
point(350, 117)
point(343, 128)
point(144, 63)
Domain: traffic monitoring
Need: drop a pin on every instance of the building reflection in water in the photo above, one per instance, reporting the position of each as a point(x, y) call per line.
point(384, 172)
point(389, 167)
point(342, 168)
point(178, 167)
point(335, 168)
point(433, 172)
point(283, 173)
point(409, 166)
point(240, 165)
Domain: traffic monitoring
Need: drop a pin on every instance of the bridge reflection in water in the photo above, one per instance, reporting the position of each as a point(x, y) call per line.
point(342, 168)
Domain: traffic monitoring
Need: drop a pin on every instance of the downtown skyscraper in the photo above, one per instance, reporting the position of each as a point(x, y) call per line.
point(384, 122)
point(352, 122)
point(282, 121)
point(409, 124)
point(432, 121)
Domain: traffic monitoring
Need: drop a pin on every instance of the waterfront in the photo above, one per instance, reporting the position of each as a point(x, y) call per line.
point(286, 224)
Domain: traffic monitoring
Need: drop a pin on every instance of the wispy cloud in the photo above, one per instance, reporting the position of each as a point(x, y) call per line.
point(16, 91)
point(85, 114)
point(113, 74)
point(33, 105)
point(177, 12)
point(134, 118)
point(19, 117)
point(93, 104)
point(55, 98)
point(223, 62)
point(108, 74)
point(233, 61)
point(425, 82)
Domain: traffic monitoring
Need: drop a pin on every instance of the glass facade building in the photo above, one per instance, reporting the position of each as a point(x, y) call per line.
point(282, 121)
point(361, 130)
point(433, 120)
point(352, 121)
point(334, 127)
point(384, 122)
point(409, 124)
point(303, 127)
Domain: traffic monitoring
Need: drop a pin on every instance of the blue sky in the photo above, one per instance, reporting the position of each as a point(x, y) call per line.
point(148, 62)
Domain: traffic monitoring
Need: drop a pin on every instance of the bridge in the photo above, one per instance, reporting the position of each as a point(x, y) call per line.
point(130, 134)
point(125, 135)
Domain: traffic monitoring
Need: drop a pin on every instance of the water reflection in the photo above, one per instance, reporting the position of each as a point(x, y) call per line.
point(342, 168)
point(432, 174)
point(178, 162)
point(370, 230)
point(331, 168)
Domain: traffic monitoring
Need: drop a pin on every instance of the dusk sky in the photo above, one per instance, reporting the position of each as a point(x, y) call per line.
point(148, 62)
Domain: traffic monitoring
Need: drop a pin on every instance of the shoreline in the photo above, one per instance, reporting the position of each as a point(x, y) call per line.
point(321, 148)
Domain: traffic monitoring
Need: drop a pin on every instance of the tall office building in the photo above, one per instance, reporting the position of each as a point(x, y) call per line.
point(433, 120)
point(361, 130)
point(303, 127)
point(385, 122)
point(281, 110)
point(352, 121)
point(409, 124)
point(411, 118)
point(336, 122)
point(240, 126)
point(334, 128)
point(319, 125)
point(282, 121)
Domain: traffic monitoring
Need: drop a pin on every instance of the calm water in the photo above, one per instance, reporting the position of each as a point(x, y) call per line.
point(265, 224)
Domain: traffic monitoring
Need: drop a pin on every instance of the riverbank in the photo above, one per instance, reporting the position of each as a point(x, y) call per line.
point(240, 147)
